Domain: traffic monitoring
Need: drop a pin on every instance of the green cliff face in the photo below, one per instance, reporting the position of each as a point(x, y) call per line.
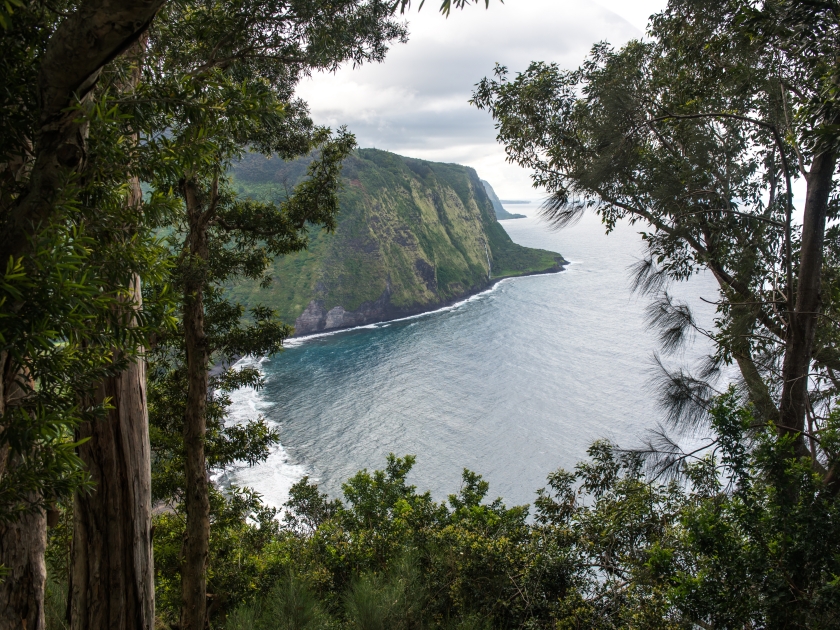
point(412, 236)
point(501, 213)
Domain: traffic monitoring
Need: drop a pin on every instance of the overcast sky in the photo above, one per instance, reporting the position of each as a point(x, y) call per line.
point(415, 103)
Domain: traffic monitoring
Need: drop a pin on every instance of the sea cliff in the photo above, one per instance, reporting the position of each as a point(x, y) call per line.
point(412, 236)
point(501, 213)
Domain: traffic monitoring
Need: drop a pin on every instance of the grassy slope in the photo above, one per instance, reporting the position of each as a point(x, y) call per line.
point(417, 228)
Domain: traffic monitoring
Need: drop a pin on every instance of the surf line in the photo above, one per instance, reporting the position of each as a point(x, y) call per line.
point(294, 342)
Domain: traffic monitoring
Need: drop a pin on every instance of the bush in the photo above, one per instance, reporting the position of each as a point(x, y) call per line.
point(747, 535)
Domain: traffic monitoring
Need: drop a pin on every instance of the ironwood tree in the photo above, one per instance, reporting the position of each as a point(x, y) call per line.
point(698, 135)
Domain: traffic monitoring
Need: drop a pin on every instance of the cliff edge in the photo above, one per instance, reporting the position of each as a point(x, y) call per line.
point(501, 213)
point(412, 236)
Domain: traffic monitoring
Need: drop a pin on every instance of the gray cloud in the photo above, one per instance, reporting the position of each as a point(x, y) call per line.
point(415, 103)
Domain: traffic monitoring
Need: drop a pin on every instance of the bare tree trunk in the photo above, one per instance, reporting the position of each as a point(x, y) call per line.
point(197, 502)
point(22, 547)
point(112, 575)
point(799, 344)
point(22, 542)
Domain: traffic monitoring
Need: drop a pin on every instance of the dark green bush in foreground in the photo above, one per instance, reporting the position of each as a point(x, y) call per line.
point(746, 536)
point(750, 537)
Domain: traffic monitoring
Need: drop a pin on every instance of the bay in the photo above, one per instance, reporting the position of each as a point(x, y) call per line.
point(512, 383)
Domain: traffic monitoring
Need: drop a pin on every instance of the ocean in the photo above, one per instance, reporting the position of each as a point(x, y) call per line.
point(512, 383)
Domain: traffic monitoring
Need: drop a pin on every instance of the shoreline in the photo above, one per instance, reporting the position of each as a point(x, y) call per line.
point(296, 339)
point(412, 314)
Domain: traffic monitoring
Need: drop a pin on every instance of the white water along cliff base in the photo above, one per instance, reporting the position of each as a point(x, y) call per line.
point(512, 383)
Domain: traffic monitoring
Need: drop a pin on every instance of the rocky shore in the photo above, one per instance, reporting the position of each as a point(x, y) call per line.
point(316, 318)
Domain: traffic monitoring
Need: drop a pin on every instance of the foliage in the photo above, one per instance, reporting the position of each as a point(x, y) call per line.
point(55, 606)
point(749, 540)
point(224, 445)
point(242, 559)
point(63, 321)
point(289, 605)
point(445, 5)
point(696, 134)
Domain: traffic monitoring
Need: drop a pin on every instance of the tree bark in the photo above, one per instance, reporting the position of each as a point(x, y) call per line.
point(757, 389)
point(799, 343)
point(22, 542)
point(22, 547)
point(112, 575)
point(196, 500)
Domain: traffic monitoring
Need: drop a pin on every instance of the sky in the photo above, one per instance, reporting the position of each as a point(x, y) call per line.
point(415, 103)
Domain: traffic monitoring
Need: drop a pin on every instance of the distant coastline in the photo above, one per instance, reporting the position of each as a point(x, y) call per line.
point(514, 202)
point(409, 313)
point(501, 213)
point(218, 368)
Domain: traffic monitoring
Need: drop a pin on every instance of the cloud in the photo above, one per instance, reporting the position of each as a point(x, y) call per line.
point(416, 102)
point(636, 12)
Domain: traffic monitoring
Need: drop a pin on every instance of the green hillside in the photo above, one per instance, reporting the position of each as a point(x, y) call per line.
point(412, 236)
point(501, 213)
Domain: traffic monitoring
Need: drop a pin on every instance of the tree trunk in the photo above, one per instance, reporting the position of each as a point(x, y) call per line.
point(799, 344)
point(22, 547)
point(22, 542)
point(196, 500)
point(112, 575)
point(94, 34)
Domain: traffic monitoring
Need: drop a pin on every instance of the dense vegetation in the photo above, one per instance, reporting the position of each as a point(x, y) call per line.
point(411, 235)
point(121, 234)
point(607, 546)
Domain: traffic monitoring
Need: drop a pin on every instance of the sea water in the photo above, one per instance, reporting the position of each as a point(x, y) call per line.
point(512, 383)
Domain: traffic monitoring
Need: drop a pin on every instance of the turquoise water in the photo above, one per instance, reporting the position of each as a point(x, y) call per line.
point(512, 383)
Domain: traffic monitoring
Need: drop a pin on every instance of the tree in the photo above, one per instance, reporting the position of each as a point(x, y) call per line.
point(241, 237)
point(698, 135)
point(53, 142)
point(224, 84)
point(229, 72)
point(70, 247)
point(115, 449)
point(67, 105)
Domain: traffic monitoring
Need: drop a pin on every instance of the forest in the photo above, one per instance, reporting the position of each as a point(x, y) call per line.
point(122, 231)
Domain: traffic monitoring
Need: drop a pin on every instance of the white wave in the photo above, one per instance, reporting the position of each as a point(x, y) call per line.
point(297, 341)
point(246, 403)
point(274, 477)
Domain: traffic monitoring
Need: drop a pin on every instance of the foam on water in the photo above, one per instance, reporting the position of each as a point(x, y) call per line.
point(298, 341)
point(274, 478)
point(512, 382)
